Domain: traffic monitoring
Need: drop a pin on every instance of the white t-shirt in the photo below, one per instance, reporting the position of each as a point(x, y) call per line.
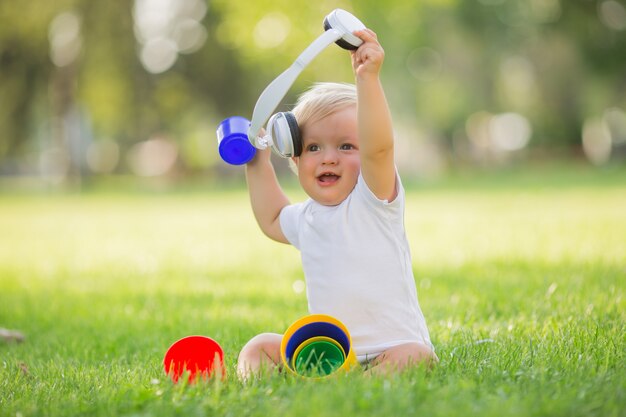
point(357, 267)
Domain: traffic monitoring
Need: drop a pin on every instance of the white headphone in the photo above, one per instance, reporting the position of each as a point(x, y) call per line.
point(283, 133)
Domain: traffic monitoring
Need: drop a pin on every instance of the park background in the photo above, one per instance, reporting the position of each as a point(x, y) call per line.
point(93, 88)
point(122, 231)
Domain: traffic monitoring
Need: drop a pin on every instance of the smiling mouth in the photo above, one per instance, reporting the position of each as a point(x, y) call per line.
point(328, 178)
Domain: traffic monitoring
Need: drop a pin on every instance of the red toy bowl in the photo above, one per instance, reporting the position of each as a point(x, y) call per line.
point(199, 356)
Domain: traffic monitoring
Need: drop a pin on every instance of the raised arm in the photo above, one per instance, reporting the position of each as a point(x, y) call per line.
point(266, 196)
point(374, 118)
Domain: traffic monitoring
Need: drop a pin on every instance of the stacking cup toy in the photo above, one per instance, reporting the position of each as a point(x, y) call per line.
point(232, 139)
point(318, 358)
point(329, 349)
point(199, 356)
point(317, 346)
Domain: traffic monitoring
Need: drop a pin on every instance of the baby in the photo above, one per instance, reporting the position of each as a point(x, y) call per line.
point(350, 232)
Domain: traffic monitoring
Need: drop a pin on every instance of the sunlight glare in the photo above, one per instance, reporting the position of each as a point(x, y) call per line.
point(612, 14)
point(271, 30)
point(596, 141)
point(65, 38)
point(158, 55)
point(165, 28)
point(189, 36)
point(509, 131)
point(425, 64)
point(298, 286)
point(153, 157)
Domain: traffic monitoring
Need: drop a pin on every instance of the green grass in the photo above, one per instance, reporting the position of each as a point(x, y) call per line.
point(523, 288)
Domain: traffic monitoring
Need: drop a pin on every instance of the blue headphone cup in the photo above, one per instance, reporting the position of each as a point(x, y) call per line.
point(234, 146)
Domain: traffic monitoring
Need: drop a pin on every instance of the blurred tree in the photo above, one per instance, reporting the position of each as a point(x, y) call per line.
point(73, 72)
point(560, 54)
point(24, 70)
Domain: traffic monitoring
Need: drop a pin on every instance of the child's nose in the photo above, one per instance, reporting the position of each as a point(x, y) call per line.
point(330, 156)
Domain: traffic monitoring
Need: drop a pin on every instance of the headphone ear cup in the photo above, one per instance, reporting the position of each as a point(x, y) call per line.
point(296, 137)
point(285, 133)
point(346, 24)
point(340, 42)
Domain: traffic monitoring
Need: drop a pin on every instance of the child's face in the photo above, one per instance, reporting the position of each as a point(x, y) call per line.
point(329, 165)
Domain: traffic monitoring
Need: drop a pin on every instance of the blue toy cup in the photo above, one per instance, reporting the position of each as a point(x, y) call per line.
point(232, 138)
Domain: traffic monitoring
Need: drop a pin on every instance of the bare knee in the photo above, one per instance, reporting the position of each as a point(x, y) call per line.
point(261, 352)
point(405, 355)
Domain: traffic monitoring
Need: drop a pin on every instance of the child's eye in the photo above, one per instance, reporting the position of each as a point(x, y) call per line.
point(313, 148)
point(346, 147)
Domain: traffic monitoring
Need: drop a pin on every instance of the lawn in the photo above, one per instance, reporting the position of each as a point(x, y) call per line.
point(522, 281)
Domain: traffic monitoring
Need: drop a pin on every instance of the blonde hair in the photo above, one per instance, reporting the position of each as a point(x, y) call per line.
point(321, 100)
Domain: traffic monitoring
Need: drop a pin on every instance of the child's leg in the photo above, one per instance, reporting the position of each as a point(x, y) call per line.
point(399, 357)
point(261, 352)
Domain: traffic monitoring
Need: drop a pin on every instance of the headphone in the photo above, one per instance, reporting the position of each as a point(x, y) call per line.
point(282, 132)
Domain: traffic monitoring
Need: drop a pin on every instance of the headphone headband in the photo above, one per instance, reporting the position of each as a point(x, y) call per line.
point(341, 24)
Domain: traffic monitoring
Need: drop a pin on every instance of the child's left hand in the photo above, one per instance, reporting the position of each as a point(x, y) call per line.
point(368, 58)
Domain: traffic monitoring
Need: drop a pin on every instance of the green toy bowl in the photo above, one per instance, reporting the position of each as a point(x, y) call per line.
point(319, 358)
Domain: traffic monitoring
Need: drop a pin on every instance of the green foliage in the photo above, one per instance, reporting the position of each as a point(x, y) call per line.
point(557, 63)
point(520, 277)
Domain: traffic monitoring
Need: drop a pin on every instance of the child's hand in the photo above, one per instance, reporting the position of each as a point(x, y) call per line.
point(261, 155)
point(368, 58)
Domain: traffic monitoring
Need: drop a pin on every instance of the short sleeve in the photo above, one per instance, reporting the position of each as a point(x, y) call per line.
point(363, 190)
point(290, 222)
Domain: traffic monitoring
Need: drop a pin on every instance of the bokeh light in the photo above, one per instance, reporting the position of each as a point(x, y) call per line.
point(165, 28)
point(505, 132)
point(601, 135)
point(298, 286)
point(425, 64)
point(596, 141)
point(153, 157)
point(509, 131)
point(271, 30)
point(65, 38)
point(612, 14)
point(189, 36)
point(158, 55)
point(488, 85)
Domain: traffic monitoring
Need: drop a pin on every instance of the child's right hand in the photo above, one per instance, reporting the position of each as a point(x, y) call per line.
point(261, 155)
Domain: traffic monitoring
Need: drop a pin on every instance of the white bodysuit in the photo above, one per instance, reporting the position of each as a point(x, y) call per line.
point(357, 267)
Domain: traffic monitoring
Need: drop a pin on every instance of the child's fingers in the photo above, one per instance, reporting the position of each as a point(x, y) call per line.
point(366, 35)
point(372, 33)
point(370, 44)
point(370, 54)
